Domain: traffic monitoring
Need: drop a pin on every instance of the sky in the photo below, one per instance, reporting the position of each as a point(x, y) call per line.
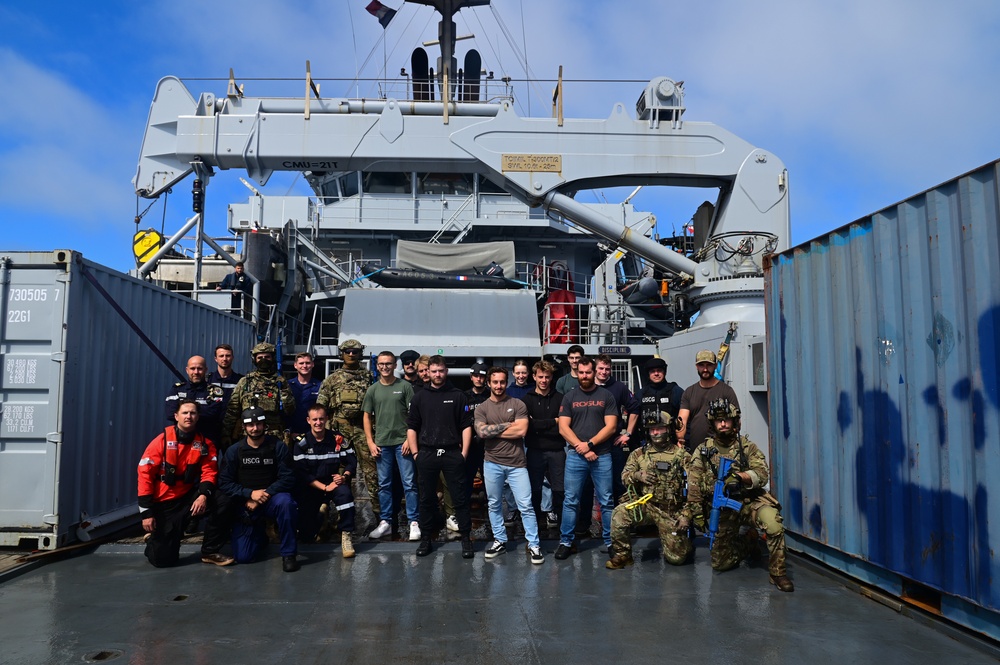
point(867, 102)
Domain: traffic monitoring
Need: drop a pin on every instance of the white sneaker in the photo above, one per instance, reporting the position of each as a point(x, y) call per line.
point(451, 523)
point(382, 529)
point(414, 531)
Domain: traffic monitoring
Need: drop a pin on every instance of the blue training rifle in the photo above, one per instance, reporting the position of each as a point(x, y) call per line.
point(720, 500)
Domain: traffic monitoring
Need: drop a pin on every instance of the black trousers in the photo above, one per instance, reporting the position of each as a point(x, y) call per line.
point(551, 464)
point(447, 462)
point(172, 518)
point(310, 499)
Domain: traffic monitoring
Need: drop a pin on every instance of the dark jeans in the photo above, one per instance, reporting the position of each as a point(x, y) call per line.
point(474, 463)
point(449, 463)
point(310, 499)
point(172, 518)
point(249, 533)
point(542, 464)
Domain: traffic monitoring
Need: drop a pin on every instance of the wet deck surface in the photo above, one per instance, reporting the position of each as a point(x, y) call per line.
point(386, 605)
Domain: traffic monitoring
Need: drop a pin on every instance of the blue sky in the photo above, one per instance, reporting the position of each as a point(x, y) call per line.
point(866, 101)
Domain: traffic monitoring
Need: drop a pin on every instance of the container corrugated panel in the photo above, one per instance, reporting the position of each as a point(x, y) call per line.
point(82, 394)
point(883, 342)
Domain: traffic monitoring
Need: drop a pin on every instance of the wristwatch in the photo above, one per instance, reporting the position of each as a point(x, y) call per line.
point(590, 444)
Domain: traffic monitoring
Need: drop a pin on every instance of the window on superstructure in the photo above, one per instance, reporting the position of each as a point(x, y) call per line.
point(387, 182)
point(450, 184)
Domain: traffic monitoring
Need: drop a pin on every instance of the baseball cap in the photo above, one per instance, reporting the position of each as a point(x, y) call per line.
point(479, 368)
point(705, 356)
point(408, 356)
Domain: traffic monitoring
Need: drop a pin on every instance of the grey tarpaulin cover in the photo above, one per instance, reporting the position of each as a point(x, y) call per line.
point(460, 258)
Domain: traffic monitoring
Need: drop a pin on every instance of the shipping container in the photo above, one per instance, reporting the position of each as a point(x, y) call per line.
point(884, 357)
point(82, 393)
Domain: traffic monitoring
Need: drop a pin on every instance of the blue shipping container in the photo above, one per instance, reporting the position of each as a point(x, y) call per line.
point(884, 349)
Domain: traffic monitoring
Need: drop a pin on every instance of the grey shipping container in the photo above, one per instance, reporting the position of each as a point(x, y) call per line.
point(884, 349)
point(82, 394)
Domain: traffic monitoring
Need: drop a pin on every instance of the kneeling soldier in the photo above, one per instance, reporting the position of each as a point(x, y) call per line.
point(744, 484)
point(654, 475)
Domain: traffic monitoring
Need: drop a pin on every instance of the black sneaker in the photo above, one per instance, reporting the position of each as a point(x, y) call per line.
point(289, 564)
point(564, 550)
point(535, 555)
point(425, 547)
point(467, 550)
point(496, 549)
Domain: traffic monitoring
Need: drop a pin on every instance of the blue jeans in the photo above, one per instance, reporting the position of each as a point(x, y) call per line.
point(390, 459)
point(517, 478)
point(577, 470)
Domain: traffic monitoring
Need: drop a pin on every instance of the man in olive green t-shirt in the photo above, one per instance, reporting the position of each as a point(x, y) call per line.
point(386, 404)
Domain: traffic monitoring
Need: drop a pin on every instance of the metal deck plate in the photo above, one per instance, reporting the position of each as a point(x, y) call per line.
point(386, 605)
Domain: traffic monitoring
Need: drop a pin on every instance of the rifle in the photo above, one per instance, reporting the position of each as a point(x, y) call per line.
point(720, 499)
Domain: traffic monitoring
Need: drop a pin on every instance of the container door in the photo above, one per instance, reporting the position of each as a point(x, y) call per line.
point(31, 346)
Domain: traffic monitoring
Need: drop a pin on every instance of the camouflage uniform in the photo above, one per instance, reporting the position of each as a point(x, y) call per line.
point(664, 473)
point(342, 393)
point(760, 511)
point(265, 389)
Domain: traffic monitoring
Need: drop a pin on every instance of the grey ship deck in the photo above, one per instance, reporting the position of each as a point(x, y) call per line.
point(388, 606)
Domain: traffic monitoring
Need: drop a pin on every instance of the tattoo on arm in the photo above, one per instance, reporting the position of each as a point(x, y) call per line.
point(489, 431)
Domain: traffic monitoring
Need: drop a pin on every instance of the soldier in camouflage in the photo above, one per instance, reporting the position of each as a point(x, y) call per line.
point(343, 393)
point(745, 483)
point(658, 468)
point(262, 387)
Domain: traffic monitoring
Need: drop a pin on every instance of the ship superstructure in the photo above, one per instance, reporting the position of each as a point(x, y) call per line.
point(445, 182)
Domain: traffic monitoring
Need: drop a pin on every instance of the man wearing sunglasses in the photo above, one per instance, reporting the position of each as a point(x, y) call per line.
point(343, 393)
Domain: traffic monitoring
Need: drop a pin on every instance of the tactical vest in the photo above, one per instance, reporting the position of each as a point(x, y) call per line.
point(258, 467)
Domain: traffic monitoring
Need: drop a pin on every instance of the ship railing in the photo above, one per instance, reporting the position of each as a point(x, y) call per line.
point(590, 323)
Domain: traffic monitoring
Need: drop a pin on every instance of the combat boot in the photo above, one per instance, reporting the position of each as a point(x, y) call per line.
point(347, 547)
point(619, 561)
point(783, 582)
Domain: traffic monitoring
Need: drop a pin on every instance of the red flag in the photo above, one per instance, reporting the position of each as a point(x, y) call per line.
point(381, 12)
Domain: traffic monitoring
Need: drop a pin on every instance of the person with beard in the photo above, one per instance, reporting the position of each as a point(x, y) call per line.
point(658, 469)
point(408, 360)
point(695, 400)
point(257, 478)
point(209, 397)
point(224, 376)
point(588, 421)
point(502, 421)
point(439, 432)
point(177, 484)
point(744, 483)
point(262, 387)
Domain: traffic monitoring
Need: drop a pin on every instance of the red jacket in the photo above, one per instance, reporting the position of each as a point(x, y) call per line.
point(194, 464)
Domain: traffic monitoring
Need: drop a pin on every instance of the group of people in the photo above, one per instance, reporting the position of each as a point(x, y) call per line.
point(648, 459)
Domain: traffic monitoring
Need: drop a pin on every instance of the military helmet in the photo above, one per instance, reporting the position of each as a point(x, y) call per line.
point(253, 414)
point(658, 418)
point(263, 347)
point(351, 344)
point(721, 408)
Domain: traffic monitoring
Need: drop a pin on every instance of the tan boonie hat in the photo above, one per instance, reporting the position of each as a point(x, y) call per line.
point(704, 357)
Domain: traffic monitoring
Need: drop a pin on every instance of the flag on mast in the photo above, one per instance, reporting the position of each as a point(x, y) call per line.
point(381, 12)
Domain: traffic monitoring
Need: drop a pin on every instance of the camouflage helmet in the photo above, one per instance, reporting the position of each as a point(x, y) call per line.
point(253, 414)
point(721, 408)
point(662, 419)
point(655, 419)
point(351, 344)
point(263, 347)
